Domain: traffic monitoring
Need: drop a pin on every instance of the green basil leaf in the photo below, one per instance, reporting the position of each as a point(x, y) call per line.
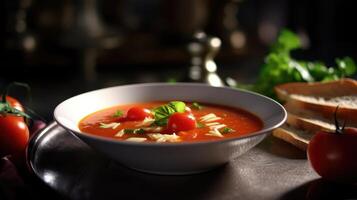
point(200, 125)
point(178, 106)
point(118, 113)
point(196, 106)
point(226, 130)
point(134, 131)
point(162, 113)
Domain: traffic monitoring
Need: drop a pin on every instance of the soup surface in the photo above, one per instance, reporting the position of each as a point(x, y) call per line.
point(174, 121)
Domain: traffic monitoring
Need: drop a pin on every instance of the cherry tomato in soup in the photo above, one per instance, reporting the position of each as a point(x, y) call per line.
point(333, 155)
point(138, 113)
point(181, 122)
point(188, 109)
point(14, 135)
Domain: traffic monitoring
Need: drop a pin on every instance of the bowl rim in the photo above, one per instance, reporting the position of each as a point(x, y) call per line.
point(174, 144)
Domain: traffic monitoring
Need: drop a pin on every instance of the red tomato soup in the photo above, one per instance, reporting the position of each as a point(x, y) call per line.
point(174, 121)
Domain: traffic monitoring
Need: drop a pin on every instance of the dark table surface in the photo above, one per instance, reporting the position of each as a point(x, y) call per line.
point(63, 167)
point(75, 170)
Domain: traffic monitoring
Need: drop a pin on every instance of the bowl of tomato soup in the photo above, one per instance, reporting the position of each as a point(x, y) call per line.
point(162, 128)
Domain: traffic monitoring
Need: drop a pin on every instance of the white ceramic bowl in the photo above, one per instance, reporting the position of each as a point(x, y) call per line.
point(170, 158)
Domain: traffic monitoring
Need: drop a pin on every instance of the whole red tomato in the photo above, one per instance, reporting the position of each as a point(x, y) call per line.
point(14, 133)
point(334, 155)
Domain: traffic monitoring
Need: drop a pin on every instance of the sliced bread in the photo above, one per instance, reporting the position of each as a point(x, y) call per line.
point(311, 108)
point(323, 98)
point(339, 88)
point(309, 120)
point(296, 137)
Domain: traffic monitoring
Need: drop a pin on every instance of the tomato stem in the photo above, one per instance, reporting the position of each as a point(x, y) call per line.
point(339, 129)
point(10, 85)
point(6, 108)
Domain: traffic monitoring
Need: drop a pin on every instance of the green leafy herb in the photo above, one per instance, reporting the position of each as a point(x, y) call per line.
point(126, 131)
point(6, 108)
point(200, 125)
point(226, 130)
point(171, 80)
point(162, 113)
point(346, 66)
point(196, 106)
point(134, 131)
point(118, 113)
point(279, 67)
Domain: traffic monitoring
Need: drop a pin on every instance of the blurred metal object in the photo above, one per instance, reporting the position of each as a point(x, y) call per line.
point(86, 29)
point(19, 37)
point(87, 33)
point(203, 49)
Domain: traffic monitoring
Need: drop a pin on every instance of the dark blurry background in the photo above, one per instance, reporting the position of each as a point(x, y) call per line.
point(65, 47)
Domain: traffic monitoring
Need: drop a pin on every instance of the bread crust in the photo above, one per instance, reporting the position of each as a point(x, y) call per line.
point(291, 137)
point(293, 93)
point(308, 112)
point(342, 87)
point(327, 111)
point(310, 124)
